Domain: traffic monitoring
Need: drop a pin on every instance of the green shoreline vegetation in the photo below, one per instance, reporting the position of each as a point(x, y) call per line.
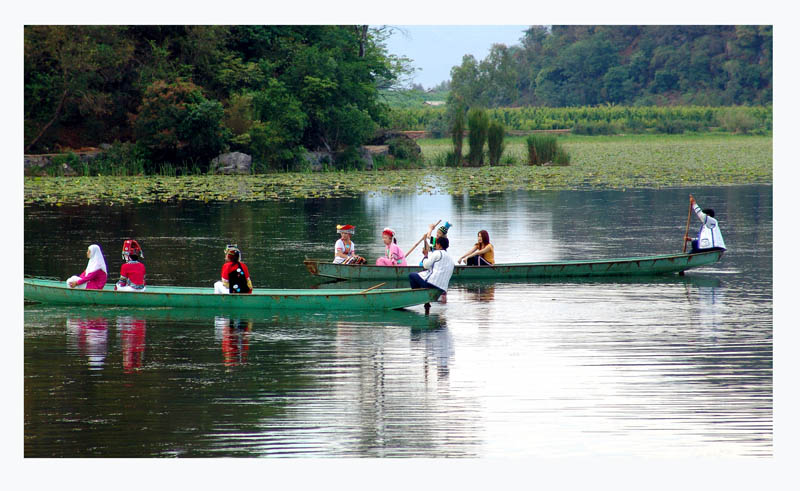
point(644, 106)
point(597, 162)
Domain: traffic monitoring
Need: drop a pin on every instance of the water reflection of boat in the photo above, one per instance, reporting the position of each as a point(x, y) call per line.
point(273, 318)
point(632, 266)
point(132, 332)
point(438, 349)
point(50, 291)
point(234, 336)
point(90, 336)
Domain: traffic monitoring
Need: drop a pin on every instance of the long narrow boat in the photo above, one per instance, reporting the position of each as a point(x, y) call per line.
point(56, 292)
point(648, 265)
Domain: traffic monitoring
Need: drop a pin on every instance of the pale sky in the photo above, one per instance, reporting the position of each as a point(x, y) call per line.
point(436, 49)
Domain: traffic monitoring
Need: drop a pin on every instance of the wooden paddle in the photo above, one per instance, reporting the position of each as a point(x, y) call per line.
point(688, 221)
point(420, 240)
point(373, 287)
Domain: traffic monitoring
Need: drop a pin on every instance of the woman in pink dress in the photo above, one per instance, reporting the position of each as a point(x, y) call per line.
point(394, 255)
point(95, 274)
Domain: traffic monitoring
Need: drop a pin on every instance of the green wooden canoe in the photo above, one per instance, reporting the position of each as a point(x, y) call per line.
point(56, 292)
point(648, 265)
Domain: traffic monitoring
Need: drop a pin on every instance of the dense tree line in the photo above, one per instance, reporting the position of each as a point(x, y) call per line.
point(183, 94)
point(568, 66)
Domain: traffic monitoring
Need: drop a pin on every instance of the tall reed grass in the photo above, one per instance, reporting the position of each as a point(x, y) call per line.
point(544, 149)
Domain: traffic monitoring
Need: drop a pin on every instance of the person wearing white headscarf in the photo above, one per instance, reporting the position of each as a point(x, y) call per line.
point(95, 275)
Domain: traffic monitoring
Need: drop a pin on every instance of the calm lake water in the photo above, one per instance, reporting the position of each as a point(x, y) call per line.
point(654, 367)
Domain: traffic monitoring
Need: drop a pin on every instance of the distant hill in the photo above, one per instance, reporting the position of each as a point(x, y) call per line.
point(568, 66)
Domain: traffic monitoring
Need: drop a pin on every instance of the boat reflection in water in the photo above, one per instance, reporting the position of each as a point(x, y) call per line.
point(90, 338)
point(234, 336)
point(132, 332)
point(437, 348)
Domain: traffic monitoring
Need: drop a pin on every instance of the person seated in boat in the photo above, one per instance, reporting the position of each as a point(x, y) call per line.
point(345, 250)
point(235, 276)
point(131, 275)
point(709, 238)
point(95, 275)
point(441, 232)
point(438, 267)
point(394, 255)
point(482, 253)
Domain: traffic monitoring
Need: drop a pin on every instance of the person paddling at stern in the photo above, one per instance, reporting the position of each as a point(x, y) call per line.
point(438, 267)
point(95, 275)
point(235, 277)
point(709, 237)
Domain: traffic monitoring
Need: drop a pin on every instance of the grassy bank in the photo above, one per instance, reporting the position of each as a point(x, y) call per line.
point(618, 162)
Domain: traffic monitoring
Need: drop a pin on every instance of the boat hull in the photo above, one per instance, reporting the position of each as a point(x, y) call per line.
point(56, 292)
point(649, 265)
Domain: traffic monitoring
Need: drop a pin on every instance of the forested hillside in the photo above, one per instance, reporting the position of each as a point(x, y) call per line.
point(185, 93)
point(564, 66)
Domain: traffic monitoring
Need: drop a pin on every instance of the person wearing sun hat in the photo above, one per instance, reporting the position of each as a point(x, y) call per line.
point(345, 249)
point(394, 255)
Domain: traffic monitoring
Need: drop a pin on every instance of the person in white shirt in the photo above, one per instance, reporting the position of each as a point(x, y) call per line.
point(709, 237)
point(438, 267)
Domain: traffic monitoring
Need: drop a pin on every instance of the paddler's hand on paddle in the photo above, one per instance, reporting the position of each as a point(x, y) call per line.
point(691, 201)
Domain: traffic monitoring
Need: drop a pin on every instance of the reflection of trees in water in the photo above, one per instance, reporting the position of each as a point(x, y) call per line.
point(691, 358)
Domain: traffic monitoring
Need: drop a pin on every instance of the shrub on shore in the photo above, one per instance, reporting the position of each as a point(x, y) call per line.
point(544, 149)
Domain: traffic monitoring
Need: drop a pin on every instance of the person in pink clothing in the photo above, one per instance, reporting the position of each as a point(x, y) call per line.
point(394, 255)
point(95, 274)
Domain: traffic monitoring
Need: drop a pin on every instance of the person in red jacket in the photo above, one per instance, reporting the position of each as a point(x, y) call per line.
point(235, 276)
point(131, 275)
point(95, 275)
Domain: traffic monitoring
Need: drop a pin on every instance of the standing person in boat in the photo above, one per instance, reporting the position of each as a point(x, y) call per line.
point(438, 268)
point(709, 238)
point(235, 276)
point(482, 253)
point(345, 250)
point(131, 275)
point(95, 275)
point(441, 232)
point(394, 255)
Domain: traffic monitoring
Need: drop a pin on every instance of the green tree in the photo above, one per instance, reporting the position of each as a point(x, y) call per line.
point(176, 123)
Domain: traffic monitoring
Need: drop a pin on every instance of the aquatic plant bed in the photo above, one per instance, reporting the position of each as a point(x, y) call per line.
point(597, 162)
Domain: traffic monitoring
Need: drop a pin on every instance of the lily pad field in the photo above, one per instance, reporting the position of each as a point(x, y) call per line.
point(596, 162)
